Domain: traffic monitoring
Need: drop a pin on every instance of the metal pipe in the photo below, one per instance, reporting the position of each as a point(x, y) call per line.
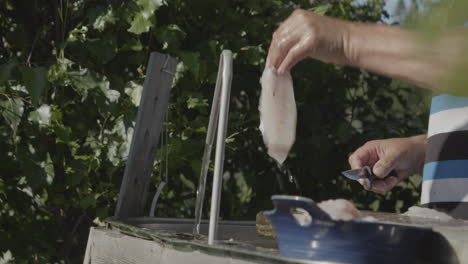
point(226, 63)
point(210, 135)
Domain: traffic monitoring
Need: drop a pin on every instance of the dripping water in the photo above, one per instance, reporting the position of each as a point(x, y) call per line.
point(292, 179)
point(279, 178)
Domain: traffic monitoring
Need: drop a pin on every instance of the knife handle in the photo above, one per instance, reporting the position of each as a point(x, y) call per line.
point(392, 173)
point(371, 176)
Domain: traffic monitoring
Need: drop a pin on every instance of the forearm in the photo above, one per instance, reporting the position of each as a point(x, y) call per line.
point(401, 55)
point(419, 143)
point(421, 139)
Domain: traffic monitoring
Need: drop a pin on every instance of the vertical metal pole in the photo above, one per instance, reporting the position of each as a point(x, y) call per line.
point(210, 135)
point(220, 143)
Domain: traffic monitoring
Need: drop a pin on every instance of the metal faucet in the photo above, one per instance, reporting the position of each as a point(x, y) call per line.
point(218, 122)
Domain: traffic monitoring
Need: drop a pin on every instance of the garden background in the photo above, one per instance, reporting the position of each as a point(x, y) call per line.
point(71, 77)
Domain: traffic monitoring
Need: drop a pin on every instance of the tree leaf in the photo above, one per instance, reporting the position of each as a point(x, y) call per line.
point(132, 44)
point(150, 5)
point(77, 171)
point(58, 71)
point(187, 183)
point(41, 116)
point(85, 80)
point(196, 102)
point(170, 35)
point(141, 23)
point(62, 133)
point(191, 62)
point(35, 174)
point(48, 166)
point(245, 193)
point(35, 80)
point(143, 19)
point(112, 96)
point(5, 71)
point(321, 10)
point(89, 200)
point(12, 110)
point(102, 50)
point(134, 90)
point(104, 19)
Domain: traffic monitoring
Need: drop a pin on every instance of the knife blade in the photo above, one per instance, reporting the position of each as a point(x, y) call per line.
point(366, 174)
point(357, 174)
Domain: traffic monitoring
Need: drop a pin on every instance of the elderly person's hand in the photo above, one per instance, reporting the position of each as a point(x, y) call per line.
point(387, 50)
point(305, 34)
point(404, 155)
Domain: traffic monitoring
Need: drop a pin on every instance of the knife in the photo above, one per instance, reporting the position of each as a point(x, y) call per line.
point(366, 174)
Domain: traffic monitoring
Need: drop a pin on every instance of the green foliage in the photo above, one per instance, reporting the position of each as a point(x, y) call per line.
point(441, 24)
point(71, 77)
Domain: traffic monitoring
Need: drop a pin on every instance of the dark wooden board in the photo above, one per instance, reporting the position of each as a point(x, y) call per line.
point(150, 118)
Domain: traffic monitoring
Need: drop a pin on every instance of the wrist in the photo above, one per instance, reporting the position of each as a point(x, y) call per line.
point(352, 44)
point(419, 139)
point(419, 147)
point(362, 43)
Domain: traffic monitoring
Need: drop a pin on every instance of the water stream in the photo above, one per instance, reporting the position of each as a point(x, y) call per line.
point(291, 178)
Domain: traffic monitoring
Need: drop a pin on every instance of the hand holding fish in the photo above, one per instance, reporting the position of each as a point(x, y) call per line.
point(365, 45)
point(305, 34)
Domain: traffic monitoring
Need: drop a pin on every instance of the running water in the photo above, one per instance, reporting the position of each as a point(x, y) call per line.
point(291, 178)
point(279, 179)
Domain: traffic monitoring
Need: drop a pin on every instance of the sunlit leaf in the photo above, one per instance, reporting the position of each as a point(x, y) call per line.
point(134, 91)
point(195, 102)
point(41, 116)
point(245, 193)
point(143, 19)
point(322, 9)
point(187, 183)
point(77, 160)
point(12, 110)
point(150, 5)
point(105, 19)
point(140, 24)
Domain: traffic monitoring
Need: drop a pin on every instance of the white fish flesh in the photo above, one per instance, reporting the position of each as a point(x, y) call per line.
point(340, 209)
point(278, 113)
point(427, 213)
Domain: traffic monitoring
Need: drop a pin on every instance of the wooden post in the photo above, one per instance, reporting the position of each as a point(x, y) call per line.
point(150, 118)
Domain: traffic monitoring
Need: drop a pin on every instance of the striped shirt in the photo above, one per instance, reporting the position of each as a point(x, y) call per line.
point(445, 174)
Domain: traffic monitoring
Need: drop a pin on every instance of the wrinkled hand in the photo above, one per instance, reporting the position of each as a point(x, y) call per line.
point(404, 155)
point(305, 34)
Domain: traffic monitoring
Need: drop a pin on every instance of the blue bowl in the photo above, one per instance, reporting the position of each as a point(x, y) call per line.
point(356, 241)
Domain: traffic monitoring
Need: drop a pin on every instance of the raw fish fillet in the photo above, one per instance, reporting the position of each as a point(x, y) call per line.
point(427, 213)
point(340, 209)
point(278, 113)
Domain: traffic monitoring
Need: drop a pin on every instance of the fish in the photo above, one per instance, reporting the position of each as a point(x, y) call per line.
point(427, 213)
point(340, 209)
point(278, 113)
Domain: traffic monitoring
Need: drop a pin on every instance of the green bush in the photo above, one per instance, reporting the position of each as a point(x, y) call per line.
point(71, 76)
